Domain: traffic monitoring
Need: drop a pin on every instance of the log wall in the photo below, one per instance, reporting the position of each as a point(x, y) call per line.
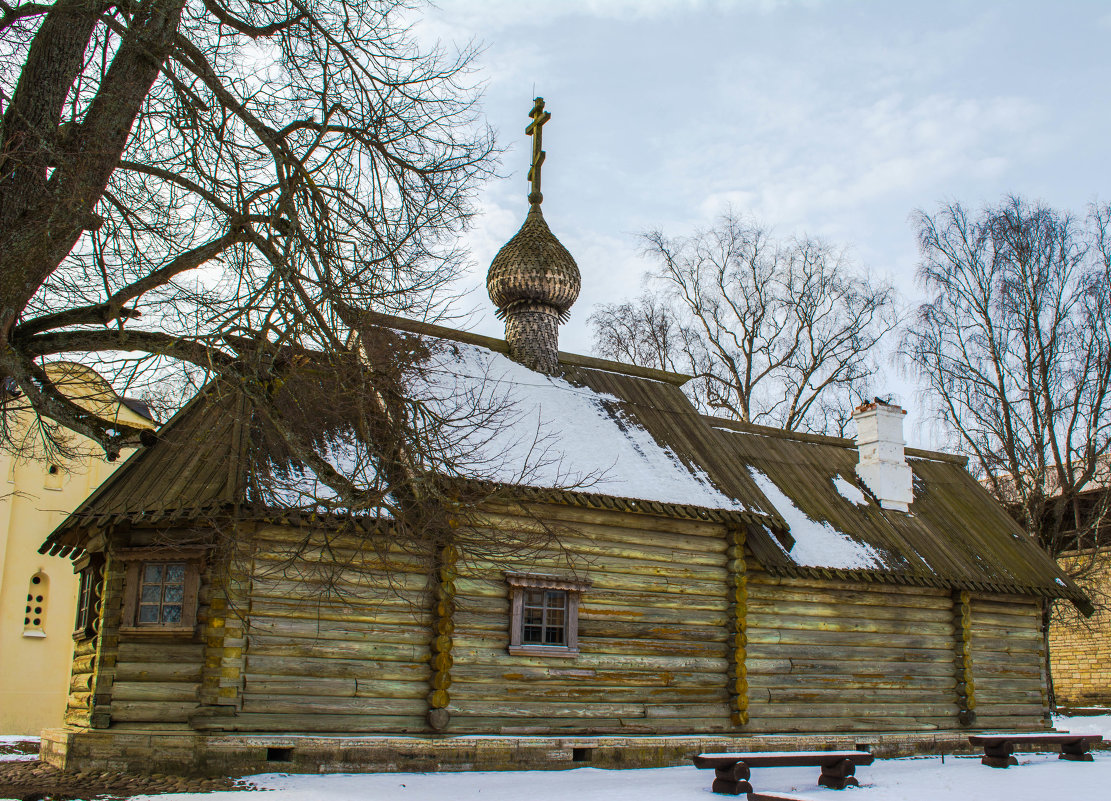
point(1008, 662)
point(356, 661)
point(679, 632)
point(827, 657)
point(653, 631)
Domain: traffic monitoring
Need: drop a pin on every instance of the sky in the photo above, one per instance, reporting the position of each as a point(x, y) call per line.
point(835, 119)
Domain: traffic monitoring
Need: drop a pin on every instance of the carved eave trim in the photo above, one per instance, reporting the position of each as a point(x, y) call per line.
point(546, 582)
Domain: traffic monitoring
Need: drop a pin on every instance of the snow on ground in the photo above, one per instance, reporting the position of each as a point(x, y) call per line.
point(817, 543)
point(1085, 724)
point(1036, 778)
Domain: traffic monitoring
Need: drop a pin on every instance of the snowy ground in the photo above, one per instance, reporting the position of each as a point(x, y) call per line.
point(1038, 777)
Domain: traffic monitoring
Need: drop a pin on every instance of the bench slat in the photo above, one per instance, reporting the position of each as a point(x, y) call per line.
point(992, 739)
point(783, 759)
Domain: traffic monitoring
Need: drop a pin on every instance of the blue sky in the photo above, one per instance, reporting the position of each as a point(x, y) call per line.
point(837, 119)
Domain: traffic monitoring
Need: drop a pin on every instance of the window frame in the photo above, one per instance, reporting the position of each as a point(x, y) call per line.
point(90, 577)
point(519, 585)
point(135, 560)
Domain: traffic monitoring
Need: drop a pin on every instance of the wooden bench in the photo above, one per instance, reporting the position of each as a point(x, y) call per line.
point(999, 748)
point(732, 771)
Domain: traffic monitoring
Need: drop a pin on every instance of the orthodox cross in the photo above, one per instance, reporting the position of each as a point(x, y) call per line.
point(534, 129)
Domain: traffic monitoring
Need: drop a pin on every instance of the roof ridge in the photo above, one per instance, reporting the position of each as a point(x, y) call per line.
point(501, 346)
point(825, 439)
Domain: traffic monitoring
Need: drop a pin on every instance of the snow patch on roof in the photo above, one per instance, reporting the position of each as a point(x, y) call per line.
point(554, 434)
point(848, 491)
point(817, 544)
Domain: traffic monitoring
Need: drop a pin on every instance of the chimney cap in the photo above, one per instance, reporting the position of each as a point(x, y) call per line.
point(878, 403)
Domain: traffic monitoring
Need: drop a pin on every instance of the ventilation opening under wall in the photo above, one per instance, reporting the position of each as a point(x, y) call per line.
point(580, 754)
point(279, 754)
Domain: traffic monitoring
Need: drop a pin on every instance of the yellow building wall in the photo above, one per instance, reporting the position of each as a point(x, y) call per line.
point(1080, 654)
point(35, 658)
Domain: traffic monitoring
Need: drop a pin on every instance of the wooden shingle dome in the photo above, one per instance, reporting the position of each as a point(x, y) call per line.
point(533, 280)
point(533, 267)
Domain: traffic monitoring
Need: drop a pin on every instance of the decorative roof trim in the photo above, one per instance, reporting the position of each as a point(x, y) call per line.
point(547, 582)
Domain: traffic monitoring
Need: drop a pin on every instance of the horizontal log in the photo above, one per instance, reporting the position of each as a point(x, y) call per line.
point(874, 711)
point(159, 651)
point(836, 594)
point(473, 654)
point(306, 648)
point(760, 724)
point(837, 653)
point(575, 675)
point(933, 684)
point(294, 704)
point(711, 533)
point(83, 664)
point(85, 647)
point(490, 593)
point(615, 582)
point(862, 698)
point(463, 691)
point(152, 711)
point(609, 646)
point(304, 685)
point(313, 722)
point(407, 616)
point(153, 691)
point(281, 666)
point(325, 630)
point(189, 671)
point(901, 614)
point(833, 670)
point(943, 630)
point(758, 579)
point(891, 640)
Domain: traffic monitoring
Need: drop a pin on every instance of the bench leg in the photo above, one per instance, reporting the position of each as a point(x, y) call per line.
point(999, 756)
point(1077, 751)
point(839, 775)
point(732, 780)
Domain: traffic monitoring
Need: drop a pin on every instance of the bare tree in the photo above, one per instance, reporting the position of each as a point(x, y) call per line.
point(199, 183)
point(779, 333)
point(1015, 349)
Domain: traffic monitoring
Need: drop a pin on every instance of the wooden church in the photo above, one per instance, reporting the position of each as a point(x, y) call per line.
point(677, 582)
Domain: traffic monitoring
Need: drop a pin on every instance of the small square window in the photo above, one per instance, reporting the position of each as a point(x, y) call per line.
point(161, 588)
point(161, 593)
point(544, 615)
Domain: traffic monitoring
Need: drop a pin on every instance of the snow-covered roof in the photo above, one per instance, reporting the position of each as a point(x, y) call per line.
point(604, 435)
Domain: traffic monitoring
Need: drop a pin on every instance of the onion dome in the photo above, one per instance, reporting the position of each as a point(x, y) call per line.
point(533, 268)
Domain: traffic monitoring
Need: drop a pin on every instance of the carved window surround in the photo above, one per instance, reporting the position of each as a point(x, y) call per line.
point(519, 585)
point(136, 559)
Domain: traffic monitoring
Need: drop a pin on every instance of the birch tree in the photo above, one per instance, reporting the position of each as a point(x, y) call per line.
point(781, 333)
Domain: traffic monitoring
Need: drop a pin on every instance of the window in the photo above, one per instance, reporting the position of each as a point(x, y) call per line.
point(54, 477)
point(545, 620)
point(89, 572)
point(34, 615)
point(160, 590)
point(544, 614)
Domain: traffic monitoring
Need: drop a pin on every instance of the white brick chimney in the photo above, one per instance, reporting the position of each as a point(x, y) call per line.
point(883, 464)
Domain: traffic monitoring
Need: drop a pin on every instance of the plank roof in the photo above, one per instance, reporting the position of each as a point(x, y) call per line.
point(797, 495)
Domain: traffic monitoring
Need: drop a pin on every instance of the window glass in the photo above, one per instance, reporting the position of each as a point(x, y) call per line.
point(544, 619)
point(161, 592)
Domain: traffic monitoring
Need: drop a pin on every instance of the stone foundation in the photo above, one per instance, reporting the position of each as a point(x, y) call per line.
point(232, 755)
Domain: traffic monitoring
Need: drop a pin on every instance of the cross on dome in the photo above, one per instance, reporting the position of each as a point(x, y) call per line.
point(535, 129)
